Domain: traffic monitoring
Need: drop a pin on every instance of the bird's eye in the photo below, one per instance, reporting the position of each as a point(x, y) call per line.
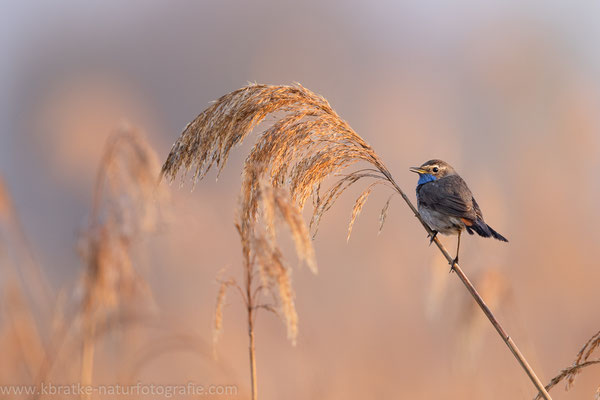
point(435, 169)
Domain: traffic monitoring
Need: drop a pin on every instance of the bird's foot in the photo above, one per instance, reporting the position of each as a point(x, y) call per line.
point(432, 237)
point(452, 264)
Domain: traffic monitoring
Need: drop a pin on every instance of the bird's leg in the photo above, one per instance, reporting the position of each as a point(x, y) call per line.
point(432, 236)
point(455, 261)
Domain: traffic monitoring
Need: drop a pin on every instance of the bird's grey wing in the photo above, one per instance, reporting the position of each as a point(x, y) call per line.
point(449, 195)
point(477, 209)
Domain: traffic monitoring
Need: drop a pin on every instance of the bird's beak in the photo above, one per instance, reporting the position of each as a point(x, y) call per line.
point(418, 170)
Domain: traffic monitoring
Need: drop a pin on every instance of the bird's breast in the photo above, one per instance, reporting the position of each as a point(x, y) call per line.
point(442, 223)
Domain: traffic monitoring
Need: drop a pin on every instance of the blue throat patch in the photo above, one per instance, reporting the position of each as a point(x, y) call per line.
point(424, 178)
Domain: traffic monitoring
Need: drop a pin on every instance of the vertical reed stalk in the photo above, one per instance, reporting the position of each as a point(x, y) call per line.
point(252, 351)
point(251, 345)
point(87, 354)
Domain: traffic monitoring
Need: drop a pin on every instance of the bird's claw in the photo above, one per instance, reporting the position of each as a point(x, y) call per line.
point(452, 264)
point(432, 237)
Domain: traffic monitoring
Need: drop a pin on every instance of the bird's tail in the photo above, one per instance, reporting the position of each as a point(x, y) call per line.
point(483, 229)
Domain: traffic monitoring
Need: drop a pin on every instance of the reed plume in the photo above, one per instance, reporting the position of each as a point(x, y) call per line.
point(125, 206)
point(308, 143)
point(582, 360)
point(263, 257)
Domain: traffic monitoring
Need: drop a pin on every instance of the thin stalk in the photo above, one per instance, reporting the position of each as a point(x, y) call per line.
point(252, 352)
point(87, 356)
point(54, 348)
point(250, 305)
point(478, 299)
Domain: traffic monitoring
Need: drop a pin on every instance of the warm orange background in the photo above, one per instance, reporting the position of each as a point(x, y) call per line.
point(508, 94)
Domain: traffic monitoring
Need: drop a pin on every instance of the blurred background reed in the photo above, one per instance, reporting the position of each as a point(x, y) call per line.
point(507, 92)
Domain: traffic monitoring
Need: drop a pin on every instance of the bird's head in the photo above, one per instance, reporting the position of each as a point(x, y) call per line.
point(432, 170)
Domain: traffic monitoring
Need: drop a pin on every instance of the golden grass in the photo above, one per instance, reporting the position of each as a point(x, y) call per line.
point(308, 143)
point(124, 207)
point(21, 335)
point(275, 275)
point(586, 351)
point(263, 257)
point(288, 165)
point(581, 361)
point(22, 263)
point(42, 344)
point(24, 297)
point(300, 150)
point(218, 323)
point(569, 374)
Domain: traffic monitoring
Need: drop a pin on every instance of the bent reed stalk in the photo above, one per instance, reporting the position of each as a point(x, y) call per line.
point(309, 143)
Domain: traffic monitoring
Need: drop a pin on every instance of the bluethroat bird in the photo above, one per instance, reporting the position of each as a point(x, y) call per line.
point(447, 205)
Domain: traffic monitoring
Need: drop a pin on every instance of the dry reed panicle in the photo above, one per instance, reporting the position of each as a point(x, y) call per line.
point(264, 257)
point(218, 325)
point(582, 361)
point(125, 206)
point(306, 145)
point(586, 351)
point(278, 206)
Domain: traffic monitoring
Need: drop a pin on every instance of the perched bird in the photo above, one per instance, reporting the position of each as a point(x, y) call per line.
point(447, 205)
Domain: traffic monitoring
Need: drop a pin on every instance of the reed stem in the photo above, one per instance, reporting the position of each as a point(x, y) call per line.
point(250, 307)
point(87, 356)
point(478, 299)
point(252, 352)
